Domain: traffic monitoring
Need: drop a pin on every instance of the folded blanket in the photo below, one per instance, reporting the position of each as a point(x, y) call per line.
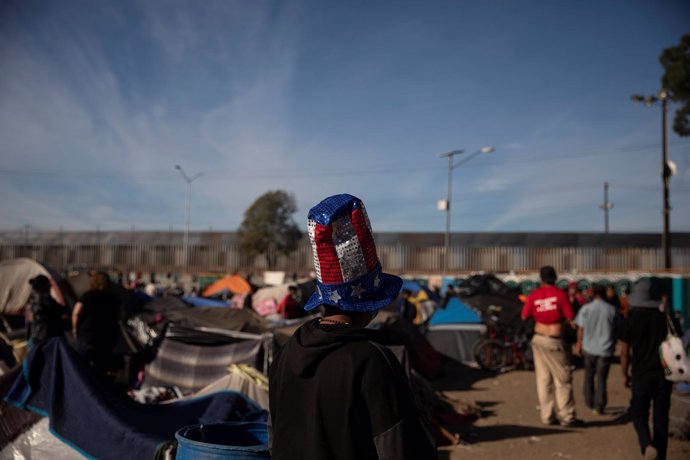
point(94, 418)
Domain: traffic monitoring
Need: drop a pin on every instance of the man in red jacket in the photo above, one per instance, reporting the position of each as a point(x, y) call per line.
point(550, 308)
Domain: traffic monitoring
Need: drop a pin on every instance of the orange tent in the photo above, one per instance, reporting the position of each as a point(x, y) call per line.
point(234, 284)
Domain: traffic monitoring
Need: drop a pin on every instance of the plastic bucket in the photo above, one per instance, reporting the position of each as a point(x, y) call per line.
point(223, 441)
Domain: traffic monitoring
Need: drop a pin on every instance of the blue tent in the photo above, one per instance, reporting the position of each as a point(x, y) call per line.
point(456, 312)
point(414, 287)
point(454, 330)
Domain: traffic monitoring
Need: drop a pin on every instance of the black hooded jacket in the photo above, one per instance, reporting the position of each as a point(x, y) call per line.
point(336, 394)
point(47, 317)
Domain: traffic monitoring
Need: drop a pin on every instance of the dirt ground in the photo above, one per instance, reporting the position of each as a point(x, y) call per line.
point(510, 427)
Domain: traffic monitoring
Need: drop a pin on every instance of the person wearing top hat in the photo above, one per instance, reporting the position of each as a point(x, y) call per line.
point(643, 331)
point(46, 313)
point(335, 391)
point(550, 308)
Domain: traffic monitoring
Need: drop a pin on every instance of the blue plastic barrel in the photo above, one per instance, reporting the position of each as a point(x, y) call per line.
point(223, 441)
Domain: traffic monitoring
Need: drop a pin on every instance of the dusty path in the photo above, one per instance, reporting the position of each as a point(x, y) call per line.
point(511, 428)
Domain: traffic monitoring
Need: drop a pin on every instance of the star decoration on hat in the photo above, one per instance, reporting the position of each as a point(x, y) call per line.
point(334, 297)
point(319, 291)
point(357, 291)
point(377, 281)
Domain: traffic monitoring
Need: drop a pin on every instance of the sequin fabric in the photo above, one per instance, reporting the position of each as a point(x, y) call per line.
point(352, 264)
point(311, 226)
point(347, 267)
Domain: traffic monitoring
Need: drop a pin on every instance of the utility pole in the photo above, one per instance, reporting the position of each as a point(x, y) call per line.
point(667, 170)
point(606, 205)
point(446, 239)
point(665, 177)
point(445, 206)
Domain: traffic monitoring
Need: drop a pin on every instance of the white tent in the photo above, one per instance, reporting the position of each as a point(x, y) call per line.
point(15, 290)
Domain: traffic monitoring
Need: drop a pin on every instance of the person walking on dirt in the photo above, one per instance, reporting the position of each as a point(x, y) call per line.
point(642, 333)
point(596, 341)
point(549, 307)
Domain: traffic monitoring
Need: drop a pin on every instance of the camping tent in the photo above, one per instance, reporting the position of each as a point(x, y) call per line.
point(231, 284)
point(490, 297)
point(265, 300)
point(454, 330)
point(242, 378)
point(229, 319)
point(14, 284)
point(194, 358)
point(424, 300)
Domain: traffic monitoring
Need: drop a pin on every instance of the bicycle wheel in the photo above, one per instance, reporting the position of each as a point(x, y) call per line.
point(491, 355)
point(478, 344)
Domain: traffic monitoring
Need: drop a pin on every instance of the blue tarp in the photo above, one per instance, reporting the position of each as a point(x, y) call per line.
point(411, 285)
point(91, 416)
point(447, 281)
point(205, 302)
point(455, 312)
point(414, 287)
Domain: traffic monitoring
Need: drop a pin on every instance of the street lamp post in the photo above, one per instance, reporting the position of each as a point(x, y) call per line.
point(451, 167)
point(188, 204)
point(666, 170)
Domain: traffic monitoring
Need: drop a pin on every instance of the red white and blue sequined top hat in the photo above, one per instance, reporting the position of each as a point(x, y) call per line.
point(348, 271)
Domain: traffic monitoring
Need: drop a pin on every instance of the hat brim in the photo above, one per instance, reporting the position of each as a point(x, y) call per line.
point(642, 302)
point(387, 292)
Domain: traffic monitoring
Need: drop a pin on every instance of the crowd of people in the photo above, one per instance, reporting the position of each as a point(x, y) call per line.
point(639, 321)
point(326, 358)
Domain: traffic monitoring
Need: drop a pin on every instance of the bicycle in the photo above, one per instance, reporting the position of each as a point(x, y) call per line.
point(502, 350)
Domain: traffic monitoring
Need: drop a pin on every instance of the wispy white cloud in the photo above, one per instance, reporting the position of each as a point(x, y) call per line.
point(214, 88)
point(76, 117)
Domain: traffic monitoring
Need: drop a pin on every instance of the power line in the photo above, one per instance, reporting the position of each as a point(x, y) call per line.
point(409, 168)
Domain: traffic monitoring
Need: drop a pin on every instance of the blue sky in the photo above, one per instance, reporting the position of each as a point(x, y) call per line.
point(99, 101)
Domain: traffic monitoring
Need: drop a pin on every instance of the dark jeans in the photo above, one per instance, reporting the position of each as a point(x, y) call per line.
point(643, 393)
point(596, 366)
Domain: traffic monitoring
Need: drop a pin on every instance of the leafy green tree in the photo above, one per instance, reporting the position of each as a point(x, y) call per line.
point(268, 227)
point(676, 80)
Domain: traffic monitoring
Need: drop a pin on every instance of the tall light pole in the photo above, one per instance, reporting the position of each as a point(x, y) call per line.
point(666, 169)
point(188, 203)
point(451, 167)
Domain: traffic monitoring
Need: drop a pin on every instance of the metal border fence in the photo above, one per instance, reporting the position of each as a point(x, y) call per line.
point(395, 259)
